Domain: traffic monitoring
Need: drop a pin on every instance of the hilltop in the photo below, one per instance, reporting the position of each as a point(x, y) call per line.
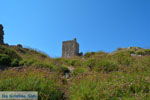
point(123, 74)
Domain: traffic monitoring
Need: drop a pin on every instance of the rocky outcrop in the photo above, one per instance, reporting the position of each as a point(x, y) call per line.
point(1, 34)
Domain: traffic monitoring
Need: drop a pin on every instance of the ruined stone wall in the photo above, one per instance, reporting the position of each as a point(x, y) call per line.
point(70, 48)
point(1, 35)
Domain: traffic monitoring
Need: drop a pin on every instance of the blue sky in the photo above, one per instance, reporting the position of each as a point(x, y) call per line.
point(97, 24)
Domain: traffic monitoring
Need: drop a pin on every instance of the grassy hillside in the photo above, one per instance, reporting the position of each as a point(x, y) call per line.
point(120, 75)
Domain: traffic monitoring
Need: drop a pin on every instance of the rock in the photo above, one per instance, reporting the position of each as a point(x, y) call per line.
point(1, 34)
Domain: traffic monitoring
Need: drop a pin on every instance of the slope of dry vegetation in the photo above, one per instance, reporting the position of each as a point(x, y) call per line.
point(123, 74)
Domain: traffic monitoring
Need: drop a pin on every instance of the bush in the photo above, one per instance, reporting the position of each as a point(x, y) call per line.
point(10, 52)
point(143, 52)
point(47, 89)
point(27, 62)
point(15, 63)
point(79, 70)
point(5, 60)
point(89, 54)
point(42, 64)
point(102, 65)
point(147, 51)
point(8, 57)
point(123, 58)
point(106, 66)
point(109, 87)
point(73, 62)
point(91, 63)
point(140, 52)
point(62, 69)
point(84, 90)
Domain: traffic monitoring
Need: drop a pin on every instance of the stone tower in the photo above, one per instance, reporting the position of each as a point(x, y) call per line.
point(70, 48)
point(1, 34)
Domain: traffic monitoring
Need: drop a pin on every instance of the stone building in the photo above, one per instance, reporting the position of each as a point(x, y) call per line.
point(1, 34)
point(70, 48)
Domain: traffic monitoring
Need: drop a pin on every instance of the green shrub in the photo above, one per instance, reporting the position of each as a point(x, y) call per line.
point(101, 65)
point(140, 52)
point(79, 70)
point(143, 52)
point(63, 69)
point(84, 90)
point(89, 54)
point(73, 62)
point(41, 64)
point(5, 60)
point(76, 62)
point(147, 51)
point(91, 63)
point(106, 66)
point(15, 63)
point(27, 62)
point(10, 52)
point(8, 56)
point(123, 58)
point(112, 87)
point(47, 89)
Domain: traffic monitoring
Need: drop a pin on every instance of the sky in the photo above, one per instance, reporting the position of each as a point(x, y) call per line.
point(98, 25)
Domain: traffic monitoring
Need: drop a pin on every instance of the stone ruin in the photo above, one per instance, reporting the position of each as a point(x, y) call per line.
point(1, 34)
point(70, 48)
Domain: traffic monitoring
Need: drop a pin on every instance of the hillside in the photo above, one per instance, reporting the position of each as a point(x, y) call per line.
point(121, 75)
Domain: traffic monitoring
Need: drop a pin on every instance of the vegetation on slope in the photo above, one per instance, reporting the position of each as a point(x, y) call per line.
point(123, 74)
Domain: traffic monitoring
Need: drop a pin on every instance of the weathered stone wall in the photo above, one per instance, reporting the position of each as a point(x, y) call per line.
point(70, 48)
point(1, 34)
